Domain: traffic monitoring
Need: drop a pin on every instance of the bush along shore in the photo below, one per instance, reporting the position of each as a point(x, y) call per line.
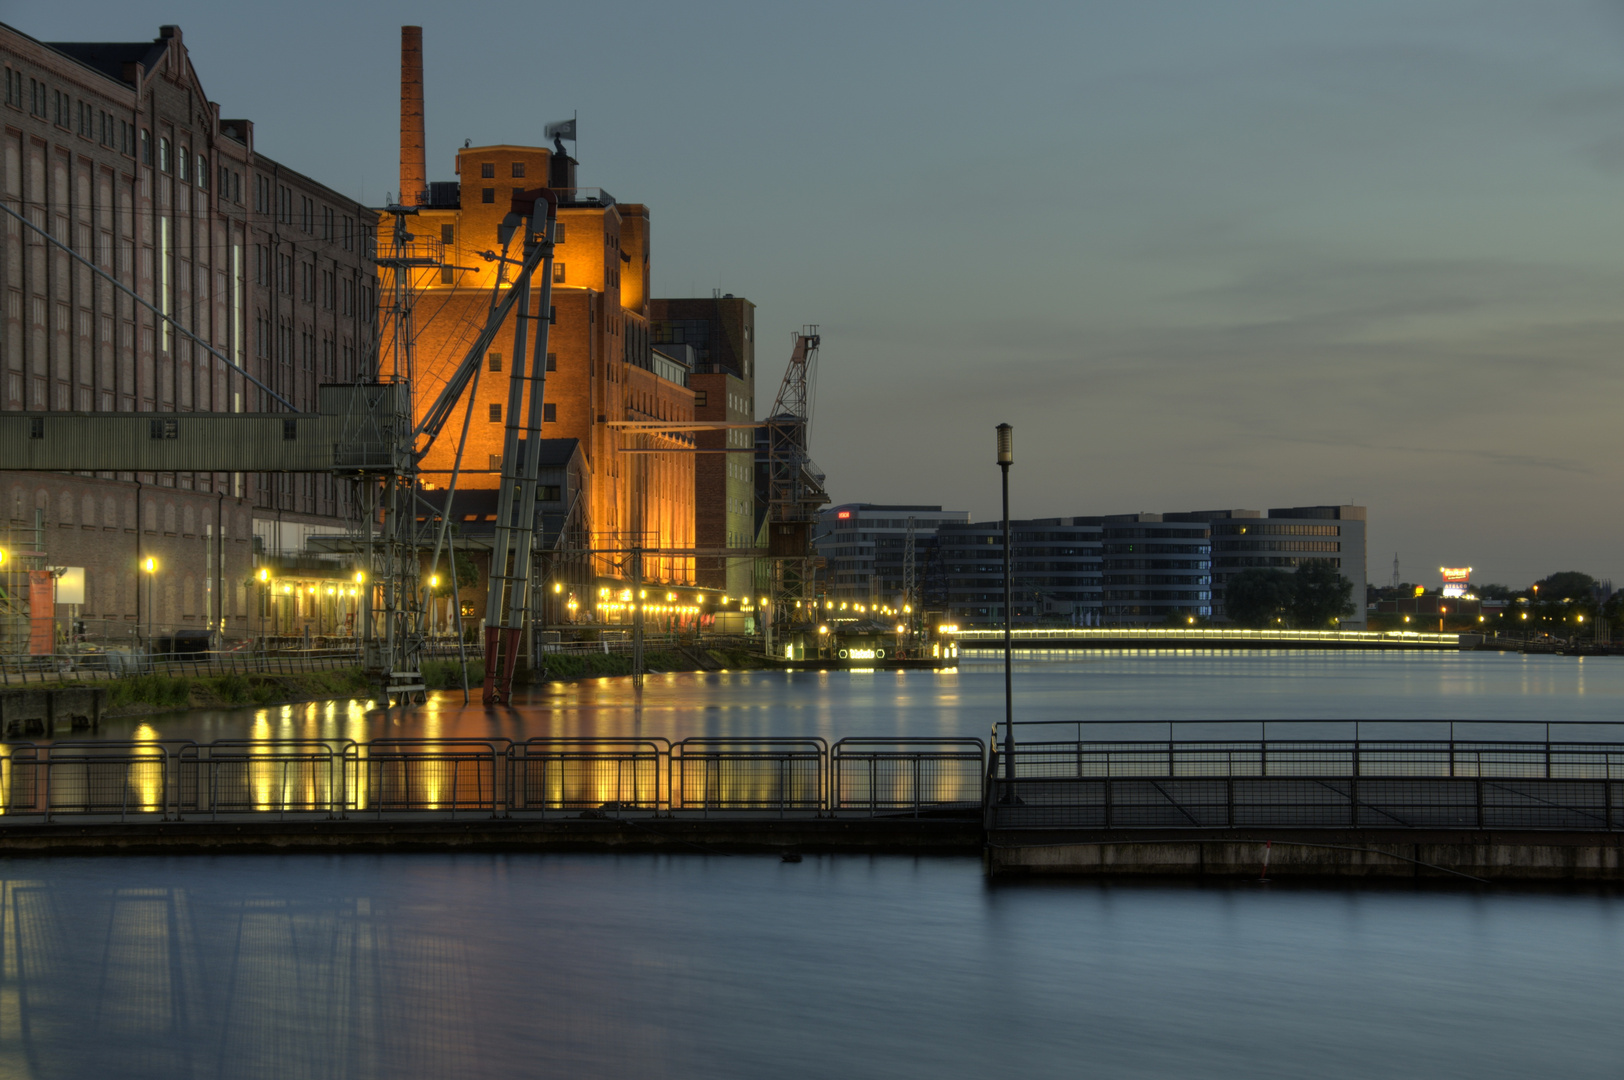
point(140, 695)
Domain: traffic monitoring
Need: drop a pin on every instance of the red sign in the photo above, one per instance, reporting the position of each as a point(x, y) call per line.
point(1456, 573)
point(843, 515)
point(41, 612)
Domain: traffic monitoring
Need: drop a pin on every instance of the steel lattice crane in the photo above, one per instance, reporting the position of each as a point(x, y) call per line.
point(794, 490)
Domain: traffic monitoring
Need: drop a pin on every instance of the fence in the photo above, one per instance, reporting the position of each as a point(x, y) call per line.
point(1074, 783)
point(1445, 783)
point(452, 778)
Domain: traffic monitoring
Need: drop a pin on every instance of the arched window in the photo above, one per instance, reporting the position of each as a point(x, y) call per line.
point(146, 147)
point(163, 154)
point(183, 163)
point(202, 172)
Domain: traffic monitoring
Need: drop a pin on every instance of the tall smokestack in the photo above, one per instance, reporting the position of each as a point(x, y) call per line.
point(414, 180)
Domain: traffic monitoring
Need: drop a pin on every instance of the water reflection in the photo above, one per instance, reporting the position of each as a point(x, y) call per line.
point(1187, 687)
point(498, 966)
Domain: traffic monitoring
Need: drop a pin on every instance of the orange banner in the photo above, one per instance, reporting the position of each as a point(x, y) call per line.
point(41, 612)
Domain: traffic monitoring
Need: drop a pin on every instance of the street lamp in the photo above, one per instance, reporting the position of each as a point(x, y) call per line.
point(1006, 458)
point(150, 566)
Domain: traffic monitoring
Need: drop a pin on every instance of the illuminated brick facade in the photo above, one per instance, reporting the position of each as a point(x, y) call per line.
point(601, 369)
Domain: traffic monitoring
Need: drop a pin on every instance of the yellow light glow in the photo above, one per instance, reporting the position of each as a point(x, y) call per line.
point(558, 586)
point(907, 609)
point(434, 581)
point(899, 628)
point(150, 565)
point(264, 575)
point(823, 629)
point(360, 576)
point(764, 601)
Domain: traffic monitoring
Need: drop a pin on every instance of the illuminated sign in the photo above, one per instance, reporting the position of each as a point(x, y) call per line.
point(1456, 573)
point(862, 654)
point(843, 515)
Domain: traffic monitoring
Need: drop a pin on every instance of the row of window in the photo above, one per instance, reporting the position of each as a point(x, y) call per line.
point(1276, 530)
point(270, 337)
point(276, 201)
point(549, 414)
point(494, 360)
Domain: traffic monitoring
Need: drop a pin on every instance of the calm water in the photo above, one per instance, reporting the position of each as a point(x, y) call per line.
point(706, 966)
point(1192, 688)
point(700, 966)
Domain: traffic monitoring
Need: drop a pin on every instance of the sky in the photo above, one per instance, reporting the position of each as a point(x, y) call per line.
point(1201, 256)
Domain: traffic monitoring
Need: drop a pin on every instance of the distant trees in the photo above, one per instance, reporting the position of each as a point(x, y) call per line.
point(1312, 598)
point(1258, 598)
point(1566, 585)
point(1320, 595)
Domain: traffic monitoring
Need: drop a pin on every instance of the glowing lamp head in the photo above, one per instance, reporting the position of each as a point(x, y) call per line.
point(360, 576)
point(150, 565)
point(558, 587)
point(264, 575)
point(823, 629)
point(434, 581)
point(1006, 444)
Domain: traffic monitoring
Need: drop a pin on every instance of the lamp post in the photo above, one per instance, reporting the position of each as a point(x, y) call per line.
point(150, 565)
point(1006, 458)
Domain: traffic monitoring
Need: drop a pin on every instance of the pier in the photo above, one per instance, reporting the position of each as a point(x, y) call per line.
point(1079, 799)
point(1225, 637)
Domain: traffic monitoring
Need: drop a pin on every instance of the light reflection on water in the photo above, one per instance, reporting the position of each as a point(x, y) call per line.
point(702, 966)
point(1190, 687)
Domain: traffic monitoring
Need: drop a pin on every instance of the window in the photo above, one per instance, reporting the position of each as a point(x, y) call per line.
point(487, 195)
point(203, 172)
point(163, 154)
point(558, 232)
point(701, 398)
point(558, 273)
point(146, 147)
point(349, 233)
point(448, 234)
point(552, 361)
point(496, 462)
point(496, 414)
point(448, 275)
point(495, 360)
point(184, 175)
point(549, 413)
point(518, 168)
point(487, 170)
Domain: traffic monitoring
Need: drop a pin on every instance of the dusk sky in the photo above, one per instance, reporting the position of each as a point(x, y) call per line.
point(1200, 255)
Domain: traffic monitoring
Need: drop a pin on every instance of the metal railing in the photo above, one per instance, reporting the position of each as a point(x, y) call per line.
point(1173, 782)
point(240, 779)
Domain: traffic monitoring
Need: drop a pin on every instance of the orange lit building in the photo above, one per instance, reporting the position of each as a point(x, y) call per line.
point(600, 367)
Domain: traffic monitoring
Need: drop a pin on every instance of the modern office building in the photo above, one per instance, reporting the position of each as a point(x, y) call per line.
point(1140, 569)
point(1055, 571)
point(1285, 538)
point(864, 546)
point(115, 149)
point(1156, 566)
point(716, 339)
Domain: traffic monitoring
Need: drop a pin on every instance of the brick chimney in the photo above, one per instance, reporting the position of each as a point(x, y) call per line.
point(414, 185)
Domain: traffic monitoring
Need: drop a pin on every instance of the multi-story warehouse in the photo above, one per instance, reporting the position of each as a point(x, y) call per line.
point(116, 151)
point(602, 370)
point(1055, 570)
point(716, 338)
point(864, 546)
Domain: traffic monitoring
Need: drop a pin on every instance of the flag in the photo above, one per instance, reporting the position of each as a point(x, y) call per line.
point(564, 129)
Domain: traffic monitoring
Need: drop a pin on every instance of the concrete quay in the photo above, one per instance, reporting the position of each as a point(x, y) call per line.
point(1313, 853)
point(913, 836)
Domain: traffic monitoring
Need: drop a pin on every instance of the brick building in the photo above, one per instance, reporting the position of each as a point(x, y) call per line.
point(116, 150)
point(716, 339)
point(601, 367)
